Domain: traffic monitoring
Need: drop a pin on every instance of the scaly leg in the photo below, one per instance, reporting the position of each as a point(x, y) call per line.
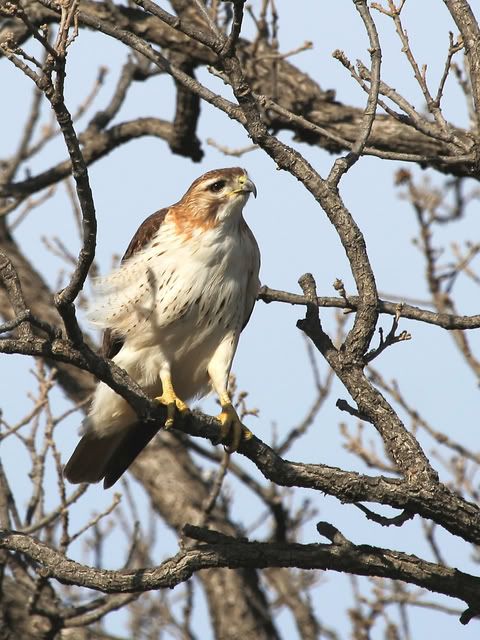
point(231, 426)
point(232, 430)
point(170, 400)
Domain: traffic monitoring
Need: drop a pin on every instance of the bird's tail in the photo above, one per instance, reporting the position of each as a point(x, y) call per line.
point(107, 455)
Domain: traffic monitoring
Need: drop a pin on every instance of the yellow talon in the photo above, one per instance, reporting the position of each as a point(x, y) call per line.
point(231, 428)
point(173, 404)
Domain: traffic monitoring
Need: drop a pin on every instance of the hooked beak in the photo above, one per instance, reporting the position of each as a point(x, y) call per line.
point(250, 186)
point(246, 186)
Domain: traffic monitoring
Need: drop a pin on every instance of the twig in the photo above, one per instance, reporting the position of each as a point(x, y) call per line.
point(390, 339)
point(454, 48)
point(236, 153)
point(449, 321)
point(11, 282)
point(397, 521)
point(342, 165)
point(215, 490)
point(230, 43)
point(96, 519)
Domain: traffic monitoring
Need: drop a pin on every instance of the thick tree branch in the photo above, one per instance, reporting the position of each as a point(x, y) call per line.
point(219, 550)
point(298, 92)
point(431, 500)
point(96, 145)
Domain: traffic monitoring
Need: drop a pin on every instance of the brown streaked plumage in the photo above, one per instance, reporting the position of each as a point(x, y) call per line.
point(172, 314)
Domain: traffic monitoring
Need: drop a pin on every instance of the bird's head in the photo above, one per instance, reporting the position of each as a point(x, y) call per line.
point(218, 196)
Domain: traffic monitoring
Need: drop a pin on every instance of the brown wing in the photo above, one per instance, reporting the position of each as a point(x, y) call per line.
point(108, 456)
point(145, 232)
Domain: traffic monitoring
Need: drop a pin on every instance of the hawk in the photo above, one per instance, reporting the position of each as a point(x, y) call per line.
point(172, 314)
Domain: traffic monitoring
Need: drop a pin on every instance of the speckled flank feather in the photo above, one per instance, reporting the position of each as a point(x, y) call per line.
point(180, 299)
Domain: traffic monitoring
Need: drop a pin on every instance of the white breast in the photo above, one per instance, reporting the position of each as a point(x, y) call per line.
point(177, 300)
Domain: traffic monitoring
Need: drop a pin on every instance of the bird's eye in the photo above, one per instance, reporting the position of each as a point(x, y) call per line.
point(217, 186)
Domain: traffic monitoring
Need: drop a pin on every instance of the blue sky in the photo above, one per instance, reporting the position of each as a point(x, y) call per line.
point(294, 236)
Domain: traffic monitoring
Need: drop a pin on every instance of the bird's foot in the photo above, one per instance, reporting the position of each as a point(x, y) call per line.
point(174, 405)
point(231, 428)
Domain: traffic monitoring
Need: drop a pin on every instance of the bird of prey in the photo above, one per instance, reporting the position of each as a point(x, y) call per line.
point(172, 314)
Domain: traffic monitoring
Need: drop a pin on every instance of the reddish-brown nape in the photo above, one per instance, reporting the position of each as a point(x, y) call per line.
point(198, 207)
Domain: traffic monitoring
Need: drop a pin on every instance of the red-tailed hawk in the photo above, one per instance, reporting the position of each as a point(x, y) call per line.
point(173, 312)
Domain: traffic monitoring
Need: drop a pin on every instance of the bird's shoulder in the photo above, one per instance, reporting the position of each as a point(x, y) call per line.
point(145, 232)
point(112, 344)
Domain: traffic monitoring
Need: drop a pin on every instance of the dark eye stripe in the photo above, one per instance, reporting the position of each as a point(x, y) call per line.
point(217, 186)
